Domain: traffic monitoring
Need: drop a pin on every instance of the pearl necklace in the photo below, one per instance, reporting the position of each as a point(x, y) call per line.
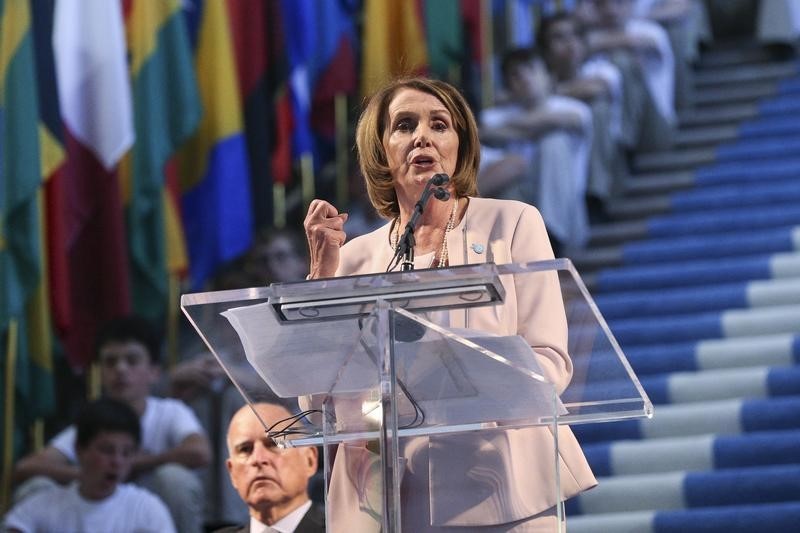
point(443, 252)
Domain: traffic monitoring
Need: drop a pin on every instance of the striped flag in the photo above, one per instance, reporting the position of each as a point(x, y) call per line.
point(261, 65)
point(54, 158)
point(167, 110)
point(95, 101)
point(216, 202)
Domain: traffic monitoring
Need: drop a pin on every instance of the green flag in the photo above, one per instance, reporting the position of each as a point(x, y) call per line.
point(167, 111)
point(21, 271)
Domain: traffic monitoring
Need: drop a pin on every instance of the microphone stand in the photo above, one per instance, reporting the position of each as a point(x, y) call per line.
point(405, 246)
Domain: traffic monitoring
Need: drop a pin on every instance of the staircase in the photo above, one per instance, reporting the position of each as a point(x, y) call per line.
point(699, 279)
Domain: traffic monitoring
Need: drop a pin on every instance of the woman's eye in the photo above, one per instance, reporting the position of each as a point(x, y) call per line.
point(404, 125)
point(440, 126)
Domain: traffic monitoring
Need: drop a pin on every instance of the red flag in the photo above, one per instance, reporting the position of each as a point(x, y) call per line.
point(94, 94)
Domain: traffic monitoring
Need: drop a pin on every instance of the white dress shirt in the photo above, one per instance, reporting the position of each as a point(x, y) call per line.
point(287, 524)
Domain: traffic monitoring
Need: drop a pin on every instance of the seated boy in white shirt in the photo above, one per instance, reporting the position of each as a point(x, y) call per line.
point(173, 441)
point(108, 435)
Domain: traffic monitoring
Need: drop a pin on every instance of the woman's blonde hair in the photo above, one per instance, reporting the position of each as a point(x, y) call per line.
point(372, 156)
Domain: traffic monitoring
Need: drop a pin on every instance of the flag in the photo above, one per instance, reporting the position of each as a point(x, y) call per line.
point(54, 157)
point(45, 305)
point(21, 268)
point(215, 176)
point(446, 43)
point(95, 102)
point(262, 74)
point(167, 110)
point(302, 36)
point(393, 42)
point(320, 39)
point(471, 14)
point(520, 17)
point(336, 71)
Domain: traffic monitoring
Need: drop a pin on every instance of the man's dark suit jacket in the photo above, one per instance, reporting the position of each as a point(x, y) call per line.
point(312, 522)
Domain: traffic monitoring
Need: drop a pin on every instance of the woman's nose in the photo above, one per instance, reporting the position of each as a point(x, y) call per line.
point(422, 138)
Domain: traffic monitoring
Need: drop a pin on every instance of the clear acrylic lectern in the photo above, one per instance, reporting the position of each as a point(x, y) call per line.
point(374, 365)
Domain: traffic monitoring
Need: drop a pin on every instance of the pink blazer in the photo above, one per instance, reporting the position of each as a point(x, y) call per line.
point(482, 478)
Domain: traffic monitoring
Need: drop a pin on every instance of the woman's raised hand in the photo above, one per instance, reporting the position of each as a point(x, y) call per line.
point(323, 225)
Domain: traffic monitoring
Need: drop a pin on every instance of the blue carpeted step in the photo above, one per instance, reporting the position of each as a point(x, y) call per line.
point(753, 150)
point(712, 385)
point(697, 272)
point(656, 359)
point(724, 220)
point(735, 323)
point(679, 250)
point(784, 104)
point(766, 241)
point(746, 150)
point(694, 453)
point(789, 86)
point(787, 165)
point(740, 173)
point(782, 517)
point(698, 223)
point(680, 490)
point(724, 417)
point(770, 126)
point(756, 193)
point(694, 387)
point(778, 191)
point(700, 299)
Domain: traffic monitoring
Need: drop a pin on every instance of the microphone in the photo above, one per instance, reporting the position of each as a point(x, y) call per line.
point(405, 246)
point(439, 179)
point(441, 194)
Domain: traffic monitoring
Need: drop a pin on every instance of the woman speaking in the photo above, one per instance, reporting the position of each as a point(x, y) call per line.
point(488, 481)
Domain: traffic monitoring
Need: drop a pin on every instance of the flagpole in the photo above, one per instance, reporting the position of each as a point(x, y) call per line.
point(307, 177)
point(279, 205)
point(8, 413)
point(93, 383)
point(511, 19)
point(172, 320)
point(37, 434)
point(342, 178)
point(487, 49)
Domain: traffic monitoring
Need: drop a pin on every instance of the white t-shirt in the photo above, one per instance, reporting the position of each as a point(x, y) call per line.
point(558, 184)
point(165, 424)
point(597, 67)
point(658, 68)
point(130, 509)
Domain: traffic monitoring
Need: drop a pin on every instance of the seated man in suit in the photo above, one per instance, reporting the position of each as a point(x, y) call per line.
point(273, 482)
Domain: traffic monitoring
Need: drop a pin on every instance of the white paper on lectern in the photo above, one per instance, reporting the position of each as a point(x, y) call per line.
point(299, 358)
point(450, 378)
